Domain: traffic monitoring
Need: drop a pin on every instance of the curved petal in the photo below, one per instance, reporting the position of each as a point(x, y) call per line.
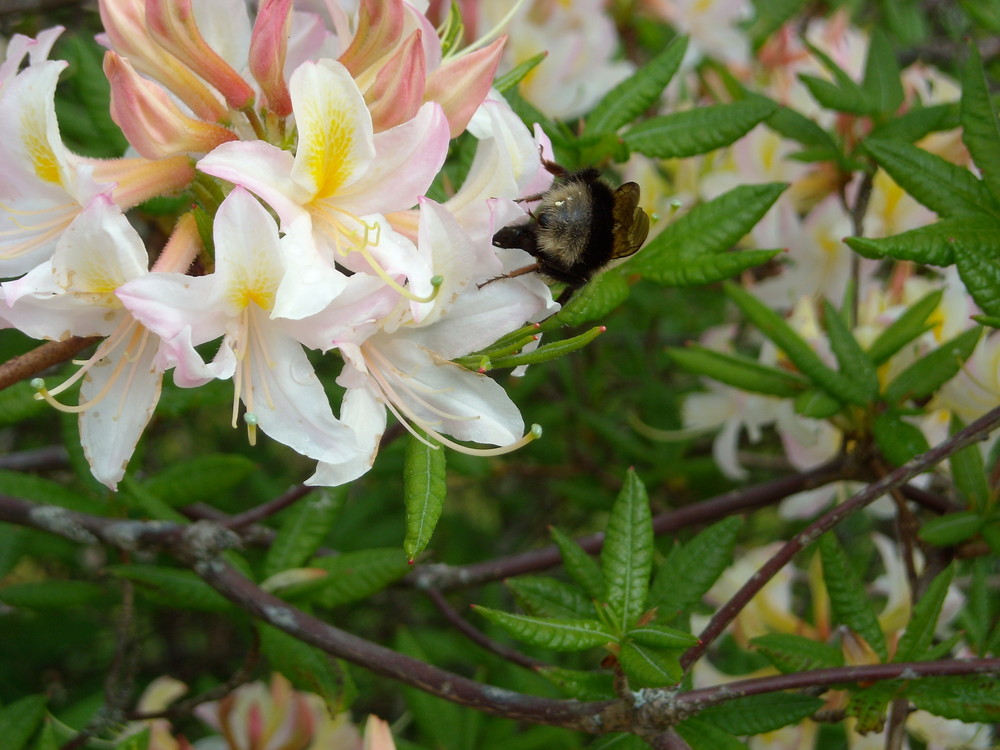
point(366, 414)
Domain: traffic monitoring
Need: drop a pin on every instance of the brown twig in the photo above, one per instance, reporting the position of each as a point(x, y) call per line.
point(974, 432)
point(268, 509)
point(41, 358)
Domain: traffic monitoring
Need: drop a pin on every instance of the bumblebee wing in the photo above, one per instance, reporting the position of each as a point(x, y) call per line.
point(631, 222)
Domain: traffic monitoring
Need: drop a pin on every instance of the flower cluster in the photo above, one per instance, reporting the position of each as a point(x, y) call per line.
point(306, 142)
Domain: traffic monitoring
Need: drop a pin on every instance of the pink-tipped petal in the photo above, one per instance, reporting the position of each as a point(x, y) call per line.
point(398, 90)
point(461, 84)
point(380, 24)
point(268, 49)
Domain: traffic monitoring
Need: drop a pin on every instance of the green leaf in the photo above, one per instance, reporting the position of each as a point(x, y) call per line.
point(919, 634)
point(605, 293)
point(848, 597)
point(976, 617)
point(51, 594)
point(742, 372)
point(584, 686)
point(202, 479)
point(756, 714)
point(12, 547)
point(969, 471)
point(547, 352)
point(180, 589)
point(898, 440)
point(305, 666)
point(905, 328)
point(708, 229)
point(913, 125)
point(817, 404)
point(853, 361)
point(688, 272)
point(951, 528)
point(357, 575)
point(580, 566)
point(515, 75)
point(661, 637)
point(869, 705)
point(979, 269)
point(796, 348)
point(698, 131)
point(304, 527)
point(689, 570)
point(627, 555)
point(20, 719)
point(881, 84)
point(701, 735)
point(973, 698)
point(848, 98)
point(797, 127)
point(796, 653)
point(771, 15)
point(138, 741)
point(978, 115)
point(425, 486)
point(547, 597)
point(933, 370)
point(943, 187)
point(47, 492)
point(558, 634)
point(649, 667)
point(637, 93)
point(934, 244)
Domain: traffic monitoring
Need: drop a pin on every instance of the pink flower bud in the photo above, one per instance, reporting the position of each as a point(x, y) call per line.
point(398, 90)
point(380, 25)
point(268, 47)
point(140, 179)
point(153, 124)
point(172, 24)
point(461, 84)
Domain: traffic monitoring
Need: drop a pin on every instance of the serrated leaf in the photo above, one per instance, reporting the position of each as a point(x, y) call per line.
point(547, 597)
point(303, 529)
point(934, 369)
point(796, 653)
point(817, 404)
point(559, 634)
point(51, 594)
point(661, 637)
point(795, 347)
point(20, 719)
point(425, 485)
point(913, 125)
point(649, 667)
point(905, 328)
point(199, 479)
point(605, 293)
point(840, 99)
point(852, 359)
point(898, 440)
point(579, 565)
point(979, 270)
point(701, 735)
point(584, 686)
point(736, 370)
point(945, 188)
point(689, 570)
point(951, 528)
point(848, 597)
point(770, 16)
point(974, 698)
point(756, 714)
point(357, 575)
point(976, 617)
point(969, 471)
point(306, 667)
point(934, 244)
point(637, 93)
point(919, 634)
point(978, 115)
point(708, 269)
point(176, 588)
point(869, 705)
point(797, 127)
point(708, 229)
point(627, 555)
point(881, 83)
point(698, 131)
